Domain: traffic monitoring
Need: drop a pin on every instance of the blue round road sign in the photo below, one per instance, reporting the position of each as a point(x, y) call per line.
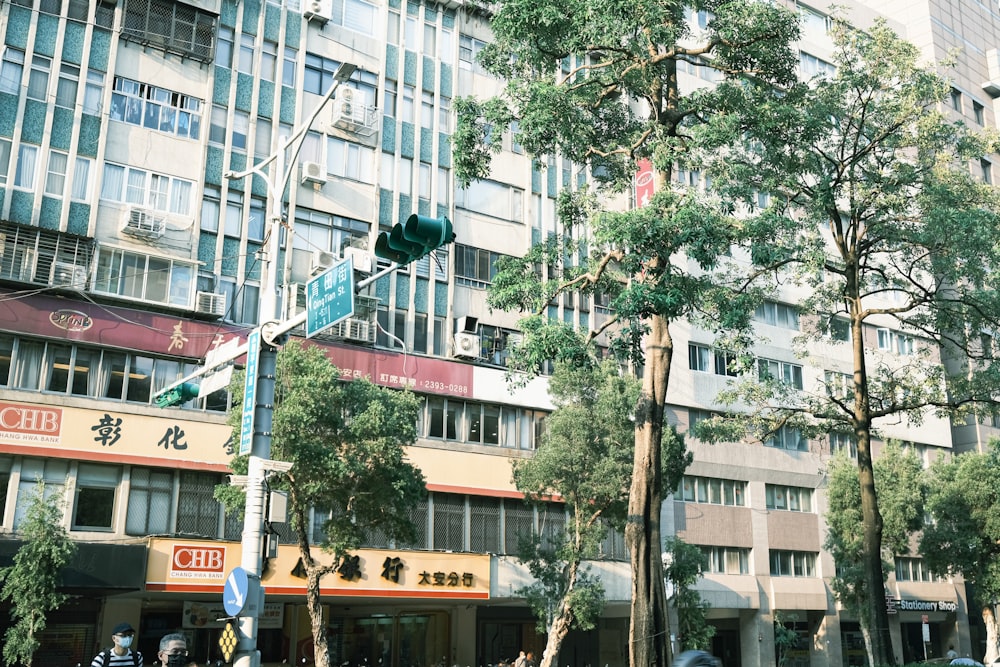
point(234, 594)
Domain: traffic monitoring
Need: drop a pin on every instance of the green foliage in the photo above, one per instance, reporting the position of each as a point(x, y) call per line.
point(585, 459)
point(785, 638)
point(684, 568)
point(346, 442)
point(901, 489)
point(963, 536)
point(31, 583)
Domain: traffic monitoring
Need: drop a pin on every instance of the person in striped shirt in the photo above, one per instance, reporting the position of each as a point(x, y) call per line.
point(121, 654)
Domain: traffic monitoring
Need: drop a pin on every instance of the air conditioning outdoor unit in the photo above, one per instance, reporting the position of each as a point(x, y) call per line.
point(317, 10)
point(360, 258)
point(352, 328)
point(67, 274)
point(347, 113)
point(514, 340)
point(211, 303)
point(313, 172)
point(467, 346)
point(322, 261)
point(144, 223)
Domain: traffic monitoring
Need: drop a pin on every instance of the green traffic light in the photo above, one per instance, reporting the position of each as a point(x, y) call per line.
point(177, 396)
point(415, 238)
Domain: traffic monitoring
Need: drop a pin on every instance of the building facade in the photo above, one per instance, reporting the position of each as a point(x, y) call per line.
point(128, 252)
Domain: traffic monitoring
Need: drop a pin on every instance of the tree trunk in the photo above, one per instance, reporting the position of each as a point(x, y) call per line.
point(992, 634)
point(560, 625)
point(871, 519)
point(321, 649)
point(649, 632)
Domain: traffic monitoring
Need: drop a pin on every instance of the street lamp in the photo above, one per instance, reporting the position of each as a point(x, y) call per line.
point(271, 338)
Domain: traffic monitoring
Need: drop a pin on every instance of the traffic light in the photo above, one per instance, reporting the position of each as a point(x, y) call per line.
point(409, 241)
point(178, 395)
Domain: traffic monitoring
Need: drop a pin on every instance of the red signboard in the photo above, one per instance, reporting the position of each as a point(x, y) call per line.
point(198, 560)
point(644, 187)
point(179, 336)
point(29, 422)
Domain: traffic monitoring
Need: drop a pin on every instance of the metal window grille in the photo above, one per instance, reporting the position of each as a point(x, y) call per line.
point(449, 522)
point(517, 525)
point(149, 502)
point(197, 509)
point(484, 525)
point(171, 26)
point(29, 254)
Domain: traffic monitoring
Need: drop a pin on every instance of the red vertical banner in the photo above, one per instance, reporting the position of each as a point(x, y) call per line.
point(644, 183)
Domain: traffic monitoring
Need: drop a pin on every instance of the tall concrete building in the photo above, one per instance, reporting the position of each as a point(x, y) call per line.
point(128, 252)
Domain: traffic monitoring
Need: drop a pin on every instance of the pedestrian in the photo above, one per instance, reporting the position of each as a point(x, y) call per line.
point(529, 659)
point(174, 651)
point(952, 653)
point(522, 660)
point(120, 654)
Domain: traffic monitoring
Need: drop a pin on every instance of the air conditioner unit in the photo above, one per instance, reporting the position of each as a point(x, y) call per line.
point(67, 274)
point(360, 331)
point(348, 113)
point(144, 223)
point(322, 261)
point(317, 10)
point(211, 303)
point(514, 340)
point(313, 172)
point(360, 258)
point(467, 346)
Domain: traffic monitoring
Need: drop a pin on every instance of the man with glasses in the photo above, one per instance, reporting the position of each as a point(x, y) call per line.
point(121, 654)
point(173, 651)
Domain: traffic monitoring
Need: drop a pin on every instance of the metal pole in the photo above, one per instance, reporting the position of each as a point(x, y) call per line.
point(247, 654)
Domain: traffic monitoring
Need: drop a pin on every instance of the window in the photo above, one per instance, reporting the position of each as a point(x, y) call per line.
point(792, 563)
point(712, 490)
point(475, 267)
point(787, 437)
point(810, 66)
point(38, 77)
point(241, 128)
point(727, 560)
point(427, 110)
point(318, 77)
point(840, 330)
point(449, 522)
point(227, 44)
point(81, 179)
point(54, 472)
point(978, 111)
point(986, 171)
point(468, 50)
point(93, 91)
point(175, 27)
point(349, 160)
point(4, 159)
point(792, 498)
point(782, 371)
point(11, 70)
point(893, 341)
point(94, 506)
point(149, 502)
point(129, 185)
point(839, 385)
point(198, 512)
point(246, 59)
point(355, 15)
point(155, 108)
point(481, 423)
point(843, 442)
point(69, 81)
point(406, 104)
point(491, 198)
point(268, 60)
point(777, 314)
point(24, 175)
point(288, 67)
point(956, 100)
point(139, 276)
point(912, 569)
point(726, 363)
point(55, 180)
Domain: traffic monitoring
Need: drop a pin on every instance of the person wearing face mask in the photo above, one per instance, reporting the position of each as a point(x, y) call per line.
point(174, 652)
point(121, 654)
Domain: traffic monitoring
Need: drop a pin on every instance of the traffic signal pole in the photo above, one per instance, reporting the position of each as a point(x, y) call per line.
point(272, 336)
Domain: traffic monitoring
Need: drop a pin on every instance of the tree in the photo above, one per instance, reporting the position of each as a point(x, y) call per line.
point(597, 83)
point(785, 638)
point(963, 535)
point(873, 208)
point(346, 441)
point(584, 460)
point(900, 484)
point(32, 582)
point(685, 564)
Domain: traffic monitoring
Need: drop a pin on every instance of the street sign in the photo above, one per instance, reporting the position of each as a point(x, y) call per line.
point(241, 593)
point(250, 392)
point(222, 374)
point(234, 594)
point(330, 297)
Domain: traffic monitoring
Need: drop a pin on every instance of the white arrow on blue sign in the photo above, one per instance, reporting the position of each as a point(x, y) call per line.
point(234, 594)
